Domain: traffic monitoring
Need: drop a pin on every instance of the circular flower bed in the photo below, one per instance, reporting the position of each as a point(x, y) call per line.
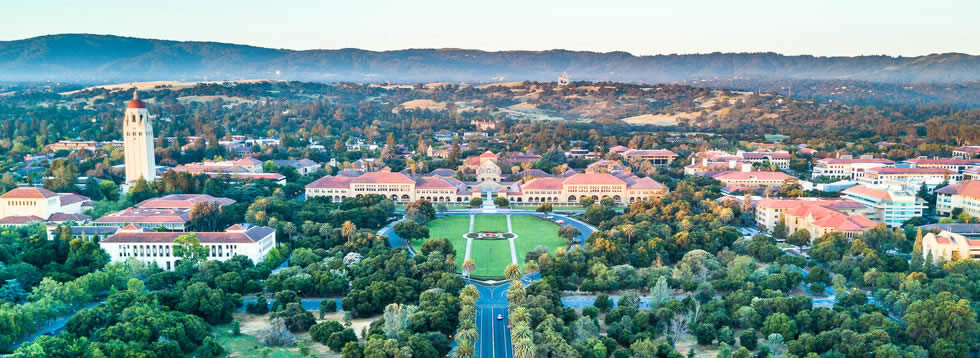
point(489, 235)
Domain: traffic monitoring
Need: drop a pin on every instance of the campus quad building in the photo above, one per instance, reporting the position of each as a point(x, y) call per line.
point(571, 189)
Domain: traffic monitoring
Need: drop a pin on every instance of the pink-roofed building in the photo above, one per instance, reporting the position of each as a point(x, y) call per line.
point(153, 247)
point(821, 220)
point(965, 195)
point(26, 202)
point(769, 210)
point(656, 157)
point(148, 218)
point(911, 178)
point(847, 168)
point(181, 201)
point(956, 165)
point(967, 151)
point(597, 186)
point(752, 179)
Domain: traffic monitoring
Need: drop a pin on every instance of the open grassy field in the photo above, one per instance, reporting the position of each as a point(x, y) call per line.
point(490, 256)
point(535, 232)
point(496, 223)
point(493, 256)
point(449, 227)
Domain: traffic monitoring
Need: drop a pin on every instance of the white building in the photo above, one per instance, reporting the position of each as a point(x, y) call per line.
point(138, 142)
point(26, 205)
point(909, 178)
point(847, 168)
point(887, 204)
point(965, 195)
point(153, 247)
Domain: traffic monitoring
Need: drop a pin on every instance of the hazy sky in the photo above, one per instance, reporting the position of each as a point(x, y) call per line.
point(643, 27)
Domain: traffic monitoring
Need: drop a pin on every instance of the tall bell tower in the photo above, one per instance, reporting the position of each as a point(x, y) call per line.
point(138, 142)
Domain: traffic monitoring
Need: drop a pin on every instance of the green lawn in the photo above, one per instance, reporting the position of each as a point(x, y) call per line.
point(490, 256)
point(450, 227)
point(535, 232)
point(244, 345)
point(493, 256)
point(496, 223)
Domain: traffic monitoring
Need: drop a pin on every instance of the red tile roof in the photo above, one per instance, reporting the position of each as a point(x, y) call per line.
point(20, 220)
point(843, 222)
point(969, 188)
point(381, 177)
point(855, 161)
point(764, 155)
point(891, 170)
point(149, 216)
point(68, 199)
point(545, 183)
point(940, 161)
point(593, 179)
point(28, 193)
point(643, 183)
point(251, 235)
point(182, 201)
point(861, 190)
point(751, 175)
point(433, 183)
point(62, 217)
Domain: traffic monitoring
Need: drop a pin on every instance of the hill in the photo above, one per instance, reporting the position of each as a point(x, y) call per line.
point(101, 58)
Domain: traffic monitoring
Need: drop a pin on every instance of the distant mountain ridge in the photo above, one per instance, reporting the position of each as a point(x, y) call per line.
point(105, 58)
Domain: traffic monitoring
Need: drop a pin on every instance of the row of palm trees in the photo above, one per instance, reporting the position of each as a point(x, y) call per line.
point(521, 336)
point(466, 333)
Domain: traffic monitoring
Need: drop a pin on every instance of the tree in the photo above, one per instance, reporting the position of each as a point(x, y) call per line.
point(468, 267)
point(941, 316)
point(661, 292)
point(476, 202)
point(749, 339)
point(348, 229)
point(205, 216)
point(512, 272)
point(411, 230)
point(569, 233)
point(587, 202)
point(799, 238)
point(544, 208)
point(779, 230)
point(189, 248)
point(295, 317)
point(420, 211)
point(396, 318)
point(501, 202)
point(109, 190)
point(779, 323)
point(628, 230)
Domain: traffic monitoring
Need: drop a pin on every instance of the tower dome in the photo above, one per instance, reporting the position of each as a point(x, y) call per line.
point(135, 102)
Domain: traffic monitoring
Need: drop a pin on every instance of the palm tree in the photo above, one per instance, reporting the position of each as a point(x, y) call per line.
point(468, 267)
point(521, 332)
point(465, 349)
point(471, 291)
point(523, 349)
point(531, 266)
point(512, 272)
point(629, 230)
point(348, 229)
point(467, 335)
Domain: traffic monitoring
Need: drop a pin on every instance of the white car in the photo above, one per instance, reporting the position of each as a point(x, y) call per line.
point(500, 317)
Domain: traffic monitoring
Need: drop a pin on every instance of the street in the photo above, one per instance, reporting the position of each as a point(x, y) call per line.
point(494, 337)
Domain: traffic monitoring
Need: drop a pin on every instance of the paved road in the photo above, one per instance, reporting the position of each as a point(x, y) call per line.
point(583, 301)
point(494, 336)
point(309, 304)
